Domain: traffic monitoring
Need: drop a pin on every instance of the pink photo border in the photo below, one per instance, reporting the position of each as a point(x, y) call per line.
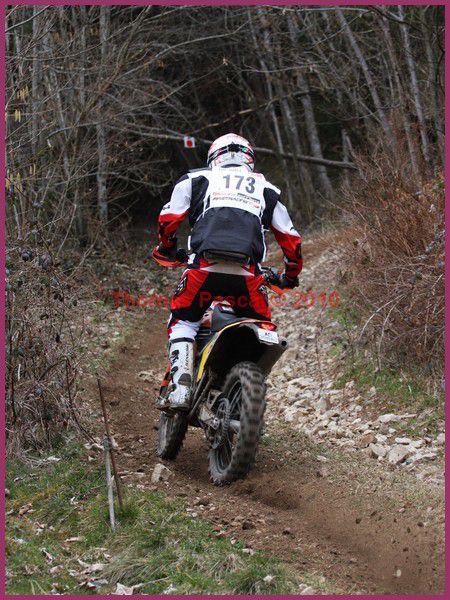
point(3, 3)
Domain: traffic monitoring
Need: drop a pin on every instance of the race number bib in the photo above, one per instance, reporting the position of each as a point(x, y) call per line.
point(236, 189)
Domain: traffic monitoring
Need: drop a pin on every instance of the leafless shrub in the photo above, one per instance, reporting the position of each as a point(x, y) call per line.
point(44, 343)
point(395, 258)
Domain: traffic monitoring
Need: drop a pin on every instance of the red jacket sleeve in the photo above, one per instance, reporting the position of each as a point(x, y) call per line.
point(288, 239)
point(174, 212)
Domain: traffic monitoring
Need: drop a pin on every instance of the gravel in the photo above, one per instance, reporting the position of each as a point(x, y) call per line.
point(302, 389)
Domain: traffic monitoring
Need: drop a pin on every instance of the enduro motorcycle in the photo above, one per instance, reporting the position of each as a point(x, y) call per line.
point(234, 356)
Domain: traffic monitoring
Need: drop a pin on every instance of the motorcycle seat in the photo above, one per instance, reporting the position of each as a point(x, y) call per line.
point(223, 316)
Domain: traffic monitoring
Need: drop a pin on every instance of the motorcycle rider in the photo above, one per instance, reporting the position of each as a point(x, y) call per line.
point(229, 207)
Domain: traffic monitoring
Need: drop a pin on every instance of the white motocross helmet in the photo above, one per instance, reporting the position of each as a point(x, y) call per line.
point(231, 149)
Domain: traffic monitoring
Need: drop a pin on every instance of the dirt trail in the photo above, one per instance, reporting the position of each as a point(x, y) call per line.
point(342, 527)
point(364, 527)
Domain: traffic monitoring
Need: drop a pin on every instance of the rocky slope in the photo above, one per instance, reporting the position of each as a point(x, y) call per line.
point(303, 390)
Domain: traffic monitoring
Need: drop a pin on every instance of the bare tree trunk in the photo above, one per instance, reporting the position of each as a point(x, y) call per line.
point(56, 93)
point(279, 139)
point(35, 78)
point(101, 127)
point(313, 137)
point(367, 74)
point(345, 152)
point(290, 126)
point(79, 200)
point(433, 74)
point(415, 87)
point(275, 124)
point(401, 97)
point(310, 121)
point(304, 174)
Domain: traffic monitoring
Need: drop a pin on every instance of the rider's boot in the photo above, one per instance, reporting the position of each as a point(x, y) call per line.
point(181, 354)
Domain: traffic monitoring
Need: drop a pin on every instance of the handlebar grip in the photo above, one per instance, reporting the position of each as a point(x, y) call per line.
point(271, 275)
point(179, 260)
point(182, 256)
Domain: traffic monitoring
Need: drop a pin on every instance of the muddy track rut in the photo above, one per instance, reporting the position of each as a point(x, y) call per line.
point(340, 528)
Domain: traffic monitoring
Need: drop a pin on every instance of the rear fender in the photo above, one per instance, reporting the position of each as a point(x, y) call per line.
point(238, 342)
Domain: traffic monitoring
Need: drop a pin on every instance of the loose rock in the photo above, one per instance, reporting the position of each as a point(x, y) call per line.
point(377, 450)
point(365, 440)
point(323, 405)
point(322, 458)
point(307, 591)
point(202, 501)
point(123, 590)
point(400, 440)
point(398, 453)
point(417, 443)
point(160, 473)
point(389, 418)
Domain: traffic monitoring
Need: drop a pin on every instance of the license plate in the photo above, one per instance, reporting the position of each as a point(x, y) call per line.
point(270, 337)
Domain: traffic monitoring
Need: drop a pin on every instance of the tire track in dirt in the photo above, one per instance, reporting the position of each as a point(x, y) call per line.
point(359, 541)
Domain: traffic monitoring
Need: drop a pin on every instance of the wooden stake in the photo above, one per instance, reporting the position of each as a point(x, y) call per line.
point(111, 449)
point(109, 483)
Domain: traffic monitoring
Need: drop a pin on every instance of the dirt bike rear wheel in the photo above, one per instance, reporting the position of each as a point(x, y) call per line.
point(245, 389)
point(171, 432)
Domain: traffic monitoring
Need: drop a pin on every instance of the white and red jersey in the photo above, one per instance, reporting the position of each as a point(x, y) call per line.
point(229, 210)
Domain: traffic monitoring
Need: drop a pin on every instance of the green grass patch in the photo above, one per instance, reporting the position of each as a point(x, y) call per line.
point(397, 390)
point(57, 526)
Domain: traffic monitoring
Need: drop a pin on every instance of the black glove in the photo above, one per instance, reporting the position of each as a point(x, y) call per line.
point(181, 255)
point(288, 283)
point(170, 253)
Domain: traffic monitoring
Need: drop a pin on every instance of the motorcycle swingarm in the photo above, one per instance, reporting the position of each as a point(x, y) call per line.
point(205, 414)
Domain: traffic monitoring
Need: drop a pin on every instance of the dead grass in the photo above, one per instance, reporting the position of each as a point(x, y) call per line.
point(394, 261)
